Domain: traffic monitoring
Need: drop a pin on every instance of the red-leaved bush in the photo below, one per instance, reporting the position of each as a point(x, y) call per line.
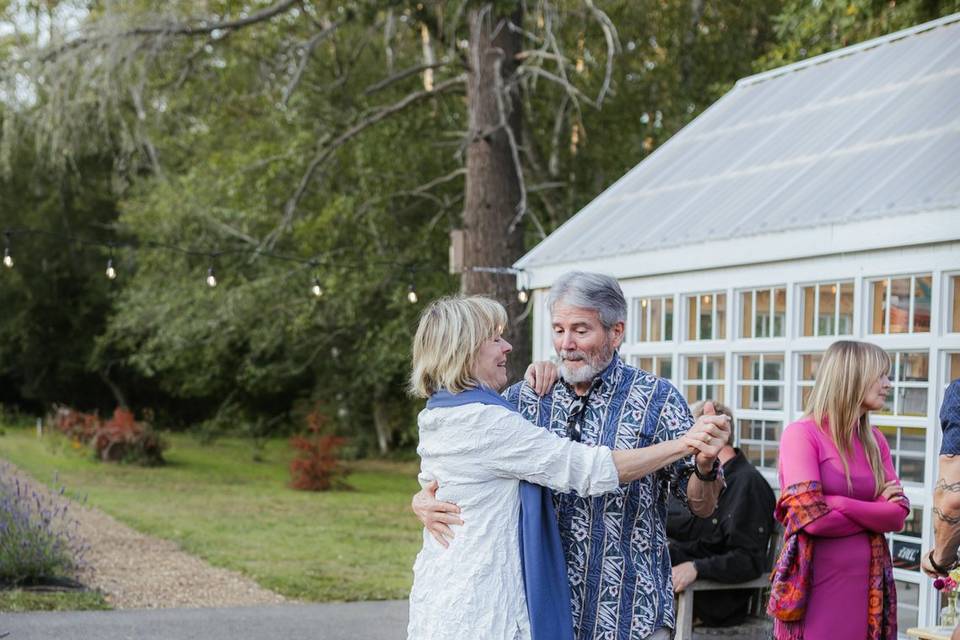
point(317, 466)
point(121, 438)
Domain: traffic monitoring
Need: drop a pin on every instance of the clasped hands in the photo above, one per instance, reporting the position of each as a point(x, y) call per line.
point(707, 437)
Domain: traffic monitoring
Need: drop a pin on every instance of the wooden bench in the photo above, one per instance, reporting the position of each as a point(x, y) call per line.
point(684, 629)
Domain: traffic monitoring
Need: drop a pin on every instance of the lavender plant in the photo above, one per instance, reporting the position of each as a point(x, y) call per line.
point(38, 539)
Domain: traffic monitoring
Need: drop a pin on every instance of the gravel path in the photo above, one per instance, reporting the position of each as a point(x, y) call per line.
point(137, 571)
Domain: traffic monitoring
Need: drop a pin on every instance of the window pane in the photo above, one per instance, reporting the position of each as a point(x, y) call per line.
point(908, 599)
point(807, 310)
point(642, 319)
point(914, 367)
point(773, 367)
point(666, 368)
point(668, 321)
point(770, 456)
point(749, 398)
point(706, 317)
point(645, 363)
point(753, 453)
point(912, 439)
point(808, 365)
point(846, 309)
point(749, 367)
point(878, 305)
point(890, 433)
point(955, 304)
point(913, 526)
point(911, 469)
point(899, 305)
point(692, 318)
point(694, 367)
point(656, 329)
point(746, 314)
point(714, 368)
point(779, 312)
point(953, 367)
point(923, 286)
point(692, 393)
point(761, 328)
point(772, 397)
point(828, 306)
point(721, 316)
point(912, 402)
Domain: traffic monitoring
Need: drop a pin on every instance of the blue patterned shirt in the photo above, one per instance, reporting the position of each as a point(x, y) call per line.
point(618, 562)
point(950, 420)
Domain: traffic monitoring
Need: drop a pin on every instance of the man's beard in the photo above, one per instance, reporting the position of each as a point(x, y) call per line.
point(593, 364)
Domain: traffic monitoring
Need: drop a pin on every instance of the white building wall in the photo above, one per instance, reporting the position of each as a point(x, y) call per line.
point(940, 260)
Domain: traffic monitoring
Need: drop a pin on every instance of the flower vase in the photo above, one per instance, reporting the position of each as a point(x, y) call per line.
point(948, 615)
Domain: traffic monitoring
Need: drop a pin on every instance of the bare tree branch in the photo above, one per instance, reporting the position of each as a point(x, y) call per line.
point(305, 57)
point(175, 29)
point(613, 48)
point(400, 75)
point(325, 151)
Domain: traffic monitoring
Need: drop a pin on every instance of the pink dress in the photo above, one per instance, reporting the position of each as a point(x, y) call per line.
point(837, 607)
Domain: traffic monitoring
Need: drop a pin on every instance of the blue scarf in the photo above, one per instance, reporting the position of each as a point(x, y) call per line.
point(541, 554)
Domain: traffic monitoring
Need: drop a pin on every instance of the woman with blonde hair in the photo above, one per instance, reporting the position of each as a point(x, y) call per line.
point(839, 496)
point(503, 577)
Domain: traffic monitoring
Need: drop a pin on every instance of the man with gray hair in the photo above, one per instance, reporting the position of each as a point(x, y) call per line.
point(616, 549)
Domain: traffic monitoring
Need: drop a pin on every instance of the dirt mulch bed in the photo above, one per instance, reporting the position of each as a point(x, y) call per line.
point(137, 571)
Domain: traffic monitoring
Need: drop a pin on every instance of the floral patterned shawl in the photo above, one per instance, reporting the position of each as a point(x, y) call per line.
point(799, 505)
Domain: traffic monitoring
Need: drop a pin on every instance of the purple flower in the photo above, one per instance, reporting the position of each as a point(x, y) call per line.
point(939, 584)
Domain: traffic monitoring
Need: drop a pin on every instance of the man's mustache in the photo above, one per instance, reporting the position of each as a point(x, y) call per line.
point(573, 355)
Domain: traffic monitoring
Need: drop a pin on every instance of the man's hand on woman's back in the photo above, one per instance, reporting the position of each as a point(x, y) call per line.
point(436, 516)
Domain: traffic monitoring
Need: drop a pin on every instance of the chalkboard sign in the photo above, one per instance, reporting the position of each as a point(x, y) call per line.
point(906, 555)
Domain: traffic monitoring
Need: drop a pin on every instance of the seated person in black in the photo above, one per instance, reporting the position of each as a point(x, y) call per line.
point(731, 546)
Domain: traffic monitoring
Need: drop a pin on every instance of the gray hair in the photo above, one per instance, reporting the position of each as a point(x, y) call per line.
point(590, 291)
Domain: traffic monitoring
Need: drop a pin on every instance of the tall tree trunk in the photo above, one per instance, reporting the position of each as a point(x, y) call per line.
point(381, 420)
point(492, 182)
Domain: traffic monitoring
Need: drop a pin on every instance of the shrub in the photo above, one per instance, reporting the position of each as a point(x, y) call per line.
point(38, 540)
point(76, 425)
point(317, 466)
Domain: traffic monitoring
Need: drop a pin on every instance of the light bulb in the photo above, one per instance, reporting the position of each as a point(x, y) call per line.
point(643, 303)
point(111, 272)
point(523, 296)
point(316, 289)
point(412, 295)
point(7, 259)
point(211, 278)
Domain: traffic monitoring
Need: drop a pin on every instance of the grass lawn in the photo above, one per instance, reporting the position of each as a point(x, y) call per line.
point(16, 601)
point(217, 503)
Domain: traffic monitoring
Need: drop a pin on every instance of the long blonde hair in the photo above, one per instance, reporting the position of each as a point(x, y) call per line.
point(450, 333)
point(848, 369)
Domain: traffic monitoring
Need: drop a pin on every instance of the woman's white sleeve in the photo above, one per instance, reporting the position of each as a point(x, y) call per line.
point(513, 447)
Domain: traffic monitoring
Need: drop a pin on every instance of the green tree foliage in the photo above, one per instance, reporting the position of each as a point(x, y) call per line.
point(325, 131)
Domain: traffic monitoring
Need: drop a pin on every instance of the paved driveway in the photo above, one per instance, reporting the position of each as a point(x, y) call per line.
point(341, 621)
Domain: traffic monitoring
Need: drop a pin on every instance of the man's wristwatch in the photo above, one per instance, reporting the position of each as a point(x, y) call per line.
point(939, 569)
point(707, 477)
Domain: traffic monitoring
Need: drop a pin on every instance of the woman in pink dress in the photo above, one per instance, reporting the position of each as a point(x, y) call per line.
point(839, 496)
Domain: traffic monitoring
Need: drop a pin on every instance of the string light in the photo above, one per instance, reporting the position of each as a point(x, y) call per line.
point(111, 272)
point(316, 289)
point(7, 258)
